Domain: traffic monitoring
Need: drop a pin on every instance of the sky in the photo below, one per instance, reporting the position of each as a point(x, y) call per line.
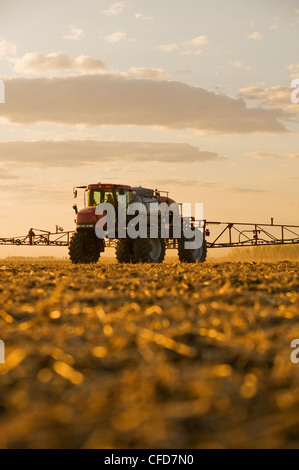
point(190, 97)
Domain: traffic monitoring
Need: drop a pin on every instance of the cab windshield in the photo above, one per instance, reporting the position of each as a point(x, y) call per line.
point(98, 196)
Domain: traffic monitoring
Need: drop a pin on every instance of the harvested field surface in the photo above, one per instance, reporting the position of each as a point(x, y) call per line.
point(149, 356)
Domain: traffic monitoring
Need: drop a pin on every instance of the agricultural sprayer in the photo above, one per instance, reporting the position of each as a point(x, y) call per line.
point(86, 247)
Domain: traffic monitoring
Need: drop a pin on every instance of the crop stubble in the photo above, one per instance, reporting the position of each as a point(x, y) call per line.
point(152, 356)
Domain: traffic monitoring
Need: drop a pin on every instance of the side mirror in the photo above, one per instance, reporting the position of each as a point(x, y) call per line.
point(75, 193)
point(75, 208)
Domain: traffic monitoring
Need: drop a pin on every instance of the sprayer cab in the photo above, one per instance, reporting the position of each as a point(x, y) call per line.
point(115, 194)
point(95, 194)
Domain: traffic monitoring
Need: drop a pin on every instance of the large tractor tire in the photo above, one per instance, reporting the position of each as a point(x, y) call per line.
point(85, 248)
point(125, 251)
point(149, 250)
point(198, 255)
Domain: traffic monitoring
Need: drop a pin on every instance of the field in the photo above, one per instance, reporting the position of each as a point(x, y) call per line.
point(147, 356)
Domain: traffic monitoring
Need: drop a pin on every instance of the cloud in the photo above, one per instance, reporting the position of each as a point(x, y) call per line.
point(74, 34)
point(179, 72)
point(277, 97)
point(74, 153)
point(262, 155)
point(36, 192)
point(197, 41)
point(194, 44)
point(7, 48)
point(147, 72)
point(4, 175)
point(115, 37)
point(141, 16)
point(115, 9)
point(168, 47)
point(37, 63)
point(294, 69)
point(237, 64)
point(94, 100)
point(192, 52)
point(255, 36)
point(205, 186)
point(252, 92)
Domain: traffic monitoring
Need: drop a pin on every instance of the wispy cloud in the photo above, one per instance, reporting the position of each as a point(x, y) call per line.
point(206, 186)
point(115, 9)
point(141, 16)
point(255, 36)
point(115, 37)
point(7, 48)
point(294, 69)
point(4, 175)
point(273, 97)
point(237, 64)
point(194, 45)
point(68, 153)
point(148, 72)
point(197, 41)
point(192, 52)
point(37, 63)
point(183, 72)
point(168, 47)
point(262, 155)
point(74, 33)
